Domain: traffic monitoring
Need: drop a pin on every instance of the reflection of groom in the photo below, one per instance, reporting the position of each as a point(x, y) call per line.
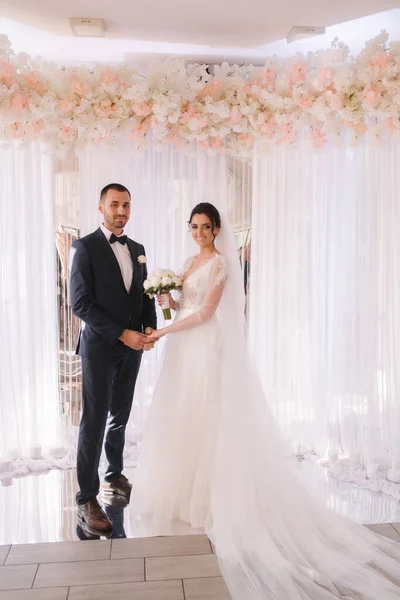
point(106, 284)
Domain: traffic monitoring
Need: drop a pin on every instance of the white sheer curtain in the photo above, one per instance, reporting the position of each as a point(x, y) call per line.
point(325, 303)
point(30, 422)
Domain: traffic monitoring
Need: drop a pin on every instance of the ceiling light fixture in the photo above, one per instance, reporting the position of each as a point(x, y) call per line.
point(87, 27)
point(302, 33)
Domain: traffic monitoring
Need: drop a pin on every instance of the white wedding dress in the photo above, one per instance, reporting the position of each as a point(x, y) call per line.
point(213, 457)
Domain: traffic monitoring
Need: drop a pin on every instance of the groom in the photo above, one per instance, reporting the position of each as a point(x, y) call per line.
point(106, 283)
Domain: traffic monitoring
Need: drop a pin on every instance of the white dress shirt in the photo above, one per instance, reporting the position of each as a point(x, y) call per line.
point(123, 257)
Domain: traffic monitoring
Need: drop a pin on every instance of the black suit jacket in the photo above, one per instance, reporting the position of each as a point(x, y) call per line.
point(99, 297)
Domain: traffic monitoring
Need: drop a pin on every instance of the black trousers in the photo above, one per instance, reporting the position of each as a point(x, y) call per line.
point(108, 385)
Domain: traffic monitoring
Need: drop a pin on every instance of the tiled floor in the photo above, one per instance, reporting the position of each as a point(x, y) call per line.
point(165, 568)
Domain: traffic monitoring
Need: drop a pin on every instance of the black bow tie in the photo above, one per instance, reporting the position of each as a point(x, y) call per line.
point(122, 239)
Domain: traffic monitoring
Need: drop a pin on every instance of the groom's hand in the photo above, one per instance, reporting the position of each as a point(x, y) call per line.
point(133, 339)
point(149, 345)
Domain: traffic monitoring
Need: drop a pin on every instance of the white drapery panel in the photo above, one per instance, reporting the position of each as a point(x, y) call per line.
point(30, 421)
point(325, 302)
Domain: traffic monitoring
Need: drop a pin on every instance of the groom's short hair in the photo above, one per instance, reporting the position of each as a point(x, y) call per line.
point(118, 187)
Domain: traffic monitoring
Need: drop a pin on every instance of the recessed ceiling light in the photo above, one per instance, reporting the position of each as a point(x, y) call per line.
point(87, 27)
point(302, 33)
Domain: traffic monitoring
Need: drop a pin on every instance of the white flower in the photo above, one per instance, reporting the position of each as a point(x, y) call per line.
point(142, 259)
point(147, 284)
point(166, 281)
point(161, 273)
point(155, 281)
point(177, 281)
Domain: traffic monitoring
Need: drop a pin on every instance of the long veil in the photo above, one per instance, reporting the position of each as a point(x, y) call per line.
point(272, 539)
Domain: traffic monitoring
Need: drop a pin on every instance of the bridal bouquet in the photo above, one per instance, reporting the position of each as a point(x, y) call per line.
point(161, 282)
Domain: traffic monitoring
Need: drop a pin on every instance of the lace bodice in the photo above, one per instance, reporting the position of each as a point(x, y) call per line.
point(196, 283)
point(201, 293)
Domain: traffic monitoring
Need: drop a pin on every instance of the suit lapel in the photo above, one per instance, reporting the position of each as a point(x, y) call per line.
point(137, 268)
point(112, 259)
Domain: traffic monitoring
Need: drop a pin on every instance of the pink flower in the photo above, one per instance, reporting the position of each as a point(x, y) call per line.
point(267, 77)
point(140, 129)
point(8, 74)
point(336, 101)
point(173, 137)
point(67, 104)
point(16, 130)
point(325, 74)
point(219, 144)
point(306, 101)
point(298, 72)
point(67, 134)
point(235, 115)
point(289, 135)
point(34, 129)
point(372, 98)
point(20, 101)
point(319, 137)
point(247, 139)
point(105, 108)
point(203, 145)
point(269, 125)
point(248, 89)
point(380, 59)
point(108, 76)
point(142, 109)
point(191, 113)
point(211, 88)
point(359, 128)
point(79, 87)
point(34, 82)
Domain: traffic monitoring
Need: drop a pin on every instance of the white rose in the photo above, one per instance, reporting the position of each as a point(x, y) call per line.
point(161, 273)
point(142, 259)
point(170, 273)
point(155, 281)
point(166, 280)
point(177, 281)
point(147, 284)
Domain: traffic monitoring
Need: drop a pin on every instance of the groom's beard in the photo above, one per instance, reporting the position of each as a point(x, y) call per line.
point(117, 222)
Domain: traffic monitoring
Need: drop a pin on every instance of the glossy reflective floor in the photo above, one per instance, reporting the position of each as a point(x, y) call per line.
point(41, 508)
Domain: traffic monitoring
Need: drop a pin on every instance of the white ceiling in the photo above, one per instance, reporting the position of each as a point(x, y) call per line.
point(210, 22)
point(208, 29)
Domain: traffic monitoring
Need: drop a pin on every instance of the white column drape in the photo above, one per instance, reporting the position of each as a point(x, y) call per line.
point(325, 303)
point(30, 425)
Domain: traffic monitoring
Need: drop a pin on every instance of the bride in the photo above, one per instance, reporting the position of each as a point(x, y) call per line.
point(213, 457)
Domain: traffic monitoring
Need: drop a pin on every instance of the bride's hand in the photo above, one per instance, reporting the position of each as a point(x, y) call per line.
point(160, 300)
point(156, 335)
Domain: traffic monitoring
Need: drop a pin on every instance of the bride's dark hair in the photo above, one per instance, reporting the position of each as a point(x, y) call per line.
point(205, 208)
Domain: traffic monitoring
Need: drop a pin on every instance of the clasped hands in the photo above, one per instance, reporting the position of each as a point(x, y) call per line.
point(137, 340)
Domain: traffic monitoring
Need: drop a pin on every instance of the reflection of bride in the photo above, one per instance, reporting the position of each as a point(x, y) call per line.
point(213, 457)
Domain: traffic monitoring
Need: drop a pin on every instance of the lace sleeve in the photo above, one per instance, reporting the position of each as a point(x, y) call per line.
point(211, 301)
